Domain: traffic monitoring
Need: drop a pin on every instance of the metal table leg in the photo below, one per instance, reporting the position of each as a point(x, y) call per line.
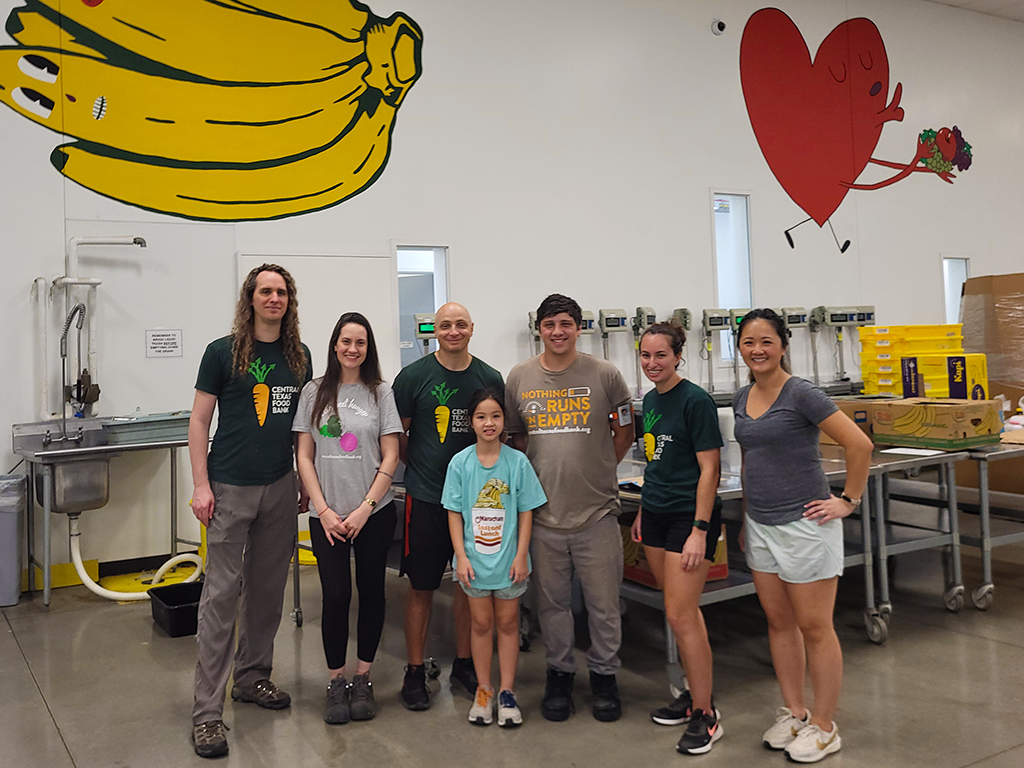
point(30, 527)
point(47, 495)
point(297, 610)
point(174, 502)
point(875, 624)
point(954, 595)
point(983, 595)
point(885, 608)
point(677, 682)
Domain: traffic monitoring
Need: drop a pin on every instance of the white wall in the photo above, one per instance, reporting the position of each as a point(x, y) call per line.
point(568, 147)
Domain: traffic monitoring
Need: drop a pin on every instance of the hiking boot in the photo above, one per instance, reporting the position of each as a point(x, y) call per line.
point(262, 693)
point(360, 697)
point(337, 710)
point(463, 677)
point(557, 704)
point(607, 706)
point(415, 695)
point(509, 714)
point(208, 739)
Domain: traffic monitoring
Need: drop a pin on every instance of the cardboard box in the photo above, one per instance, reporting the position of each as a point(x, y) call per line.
point(992, 308)
point(635, 566)
point(963, 376)
point(937, 423)
point(859, 411)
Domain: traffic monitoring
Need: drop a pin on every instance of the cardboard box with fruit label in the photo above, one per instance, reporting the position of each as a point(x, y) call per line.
point(936, 423)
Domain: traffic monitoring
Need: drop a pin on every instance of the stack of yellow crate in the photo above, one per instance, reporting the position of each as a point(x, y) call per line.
point(884, 346)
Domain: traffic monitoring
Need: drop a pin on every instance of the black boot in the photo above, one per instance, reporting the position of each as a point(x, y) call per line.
point(607, 706)
point(557, 703)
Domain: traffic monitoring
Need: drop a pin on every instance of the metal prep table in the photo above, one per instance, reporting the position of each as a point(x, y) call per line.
point(894, 538)
point(93, 445)
point(983, 595)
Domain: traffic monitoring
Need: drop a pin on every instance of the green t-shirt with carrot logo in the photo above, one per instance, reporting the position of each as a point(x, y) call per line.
point(253, 442)
point(436, 401)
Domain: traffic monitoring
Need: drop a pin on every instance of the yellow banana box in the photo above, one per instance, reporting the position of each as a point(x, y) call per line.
point(944, 424)
point(858, 408)
point(957, 375)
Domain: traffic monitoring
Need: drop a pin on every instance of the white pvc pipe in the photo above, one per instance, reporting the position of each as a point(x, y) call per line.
point(92, 586)
point(43, 361)
point(90, 304)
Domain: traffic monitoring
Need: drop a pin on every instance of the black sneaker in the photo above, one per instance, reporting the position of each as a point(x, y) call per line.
point(415, 695)
point(607, 706)
point(703, 731)
point(360, 698)
point(463, 677)
point(676, 713)
point(557, 703)
point(336, 712)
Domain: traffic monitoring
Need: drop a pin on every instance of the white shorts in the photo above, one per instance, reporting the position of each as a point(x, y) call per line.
point(799, 552)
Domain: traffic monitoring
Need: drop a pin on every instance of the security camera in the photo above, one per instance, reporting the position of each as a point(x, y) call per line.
point(718, 27)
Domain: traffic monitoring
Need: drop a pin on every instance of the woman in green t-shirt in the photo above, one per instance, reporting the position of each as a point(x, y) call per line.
point(680, 520)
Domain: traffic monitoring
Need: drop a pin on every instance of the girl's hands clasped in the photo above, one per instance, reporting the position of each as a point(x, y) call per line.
point(333, 526)
point(823, 510)
point(354, 523)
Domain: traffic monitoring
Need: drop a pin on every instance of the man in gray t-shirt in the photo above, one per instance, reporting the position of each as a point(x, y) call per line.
point(571, 413)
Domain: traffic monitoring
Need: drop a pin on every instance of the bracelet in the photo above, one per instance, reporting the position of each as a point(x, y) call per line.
point(386, 474)
point(848, 500)
point(700, 524)
point(321, 511)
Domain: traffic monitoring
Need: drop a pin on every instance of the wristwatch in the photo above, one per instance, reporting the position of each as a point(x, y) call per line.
point(848, 500)
point(700, 524)
point(370, 502)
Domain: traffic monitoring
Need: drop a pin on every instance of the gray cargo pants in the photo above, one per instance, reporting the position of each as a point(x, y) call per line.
point(595, 555)
point(249, 543)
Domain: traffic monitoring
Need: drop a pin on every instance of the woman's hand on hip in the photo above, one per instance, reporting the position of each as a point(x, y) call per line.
point(824, 510)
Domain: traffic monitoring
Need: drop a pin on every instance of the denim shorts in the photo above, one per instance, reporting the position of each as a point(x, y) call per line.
point(510, 592)
point(799, 552)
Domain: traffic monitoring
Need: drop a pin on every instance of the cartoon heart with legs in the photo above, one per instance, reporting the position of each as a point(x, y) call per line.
point(818, 120)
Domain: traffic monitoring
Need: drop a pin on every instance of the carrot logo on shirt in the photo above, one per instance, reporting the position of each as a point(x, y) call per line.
point(650, 419)
point(261, 392)
point(442, 413)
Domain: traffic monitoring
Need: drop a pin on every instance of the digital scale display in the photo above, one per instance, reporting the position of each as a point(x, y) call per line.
point(426, 328)
point(716, 321)
point(613, 322)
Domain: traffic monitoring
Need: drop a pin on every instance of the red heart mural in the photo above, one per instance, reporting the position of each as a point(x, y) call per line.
point(817, 122)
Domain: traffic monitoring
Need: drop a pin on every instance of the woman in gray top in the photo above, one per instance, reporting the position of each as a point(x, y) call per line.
point(793, 530)
point(348, 427)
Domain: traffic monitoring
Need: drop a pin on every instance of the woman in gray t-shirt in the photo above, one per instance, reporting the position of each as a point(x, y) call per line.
point(348, 427)
point(793, 529)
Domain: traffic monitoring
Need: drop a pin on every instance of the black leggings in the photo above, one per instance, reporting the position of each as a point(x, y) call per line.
point(371, 547)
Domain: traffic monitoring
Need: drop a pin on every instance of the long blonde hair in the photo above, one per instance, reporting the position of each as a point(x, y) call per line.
point(243, 327)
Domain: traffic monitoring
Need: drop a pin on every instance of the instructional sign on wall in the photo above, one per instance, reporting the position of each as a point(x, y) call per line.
point(163, 342)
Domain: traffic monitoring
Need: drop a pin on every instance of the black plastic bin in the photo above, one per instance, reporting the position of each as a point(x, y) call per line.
point(176, 607)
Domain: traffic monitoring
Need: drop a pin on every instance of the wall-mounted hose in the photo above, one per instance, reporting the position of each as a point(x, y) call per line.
point(92, 586)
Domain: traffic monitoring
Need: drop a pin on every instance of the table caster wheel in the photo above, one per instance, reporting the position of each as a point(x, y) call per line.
point(954, 598)
point(297, 617)
point(885, 611)
point(877, 628)
point(433, 669)
point(983, 596)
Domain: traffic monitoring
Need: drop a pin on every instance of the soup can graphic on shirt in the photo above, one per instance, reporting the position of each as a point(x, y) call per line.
point(489, 517)
point(488, 527)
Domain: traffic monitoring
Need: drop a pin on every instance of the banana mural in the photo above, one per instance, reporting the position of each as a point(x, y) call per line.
point(216, 110)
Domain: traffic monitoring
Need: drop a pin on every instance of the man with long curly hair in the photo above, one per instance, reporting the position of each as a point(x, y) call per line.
point(245, 493)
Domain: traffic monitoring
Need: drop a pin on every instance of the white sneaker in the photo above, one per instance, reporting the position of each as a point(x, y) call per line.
point(813, 744)
point(482, 711)
point(509, 714)
point(785, 729)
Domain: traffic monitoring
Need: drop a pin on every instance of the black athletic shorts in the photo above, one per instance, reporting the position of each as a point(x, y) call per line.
point(427, 547)
point(670, 530)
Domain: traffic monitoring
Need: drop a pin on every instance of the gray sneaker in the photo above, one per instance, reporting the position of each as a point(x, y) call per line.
point(337, 710)
point(209, 740)
point(360, 698)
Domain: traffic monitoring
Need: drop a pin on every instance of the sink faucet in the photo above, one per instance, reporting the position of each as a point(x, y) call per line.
point(78, 309)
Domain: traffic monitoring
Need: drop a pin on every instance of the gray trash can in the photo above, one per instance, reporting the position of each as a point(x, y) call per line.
point(13, 501)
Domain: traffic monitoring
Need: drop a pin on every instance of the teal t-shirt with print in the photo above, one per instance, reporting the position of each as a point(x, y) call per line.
point(676, 426)
point(490, 500)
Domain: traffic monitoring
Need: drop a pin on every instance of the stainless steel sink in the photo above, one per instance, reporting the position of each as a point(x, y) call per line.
point(77, 485)
point(79, 467)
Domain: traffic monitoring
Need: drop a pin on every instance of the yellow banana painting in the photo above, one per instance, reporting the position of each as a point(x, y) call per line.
point(217, 110)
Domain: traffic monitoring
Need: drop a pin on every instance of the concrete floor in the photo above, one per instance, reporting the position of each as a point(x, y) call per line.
point(92, 683)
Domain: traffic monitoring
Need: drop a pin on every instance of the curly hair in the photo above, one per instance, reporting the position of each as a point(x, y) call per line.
point(243, 326)
point(556, 304)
